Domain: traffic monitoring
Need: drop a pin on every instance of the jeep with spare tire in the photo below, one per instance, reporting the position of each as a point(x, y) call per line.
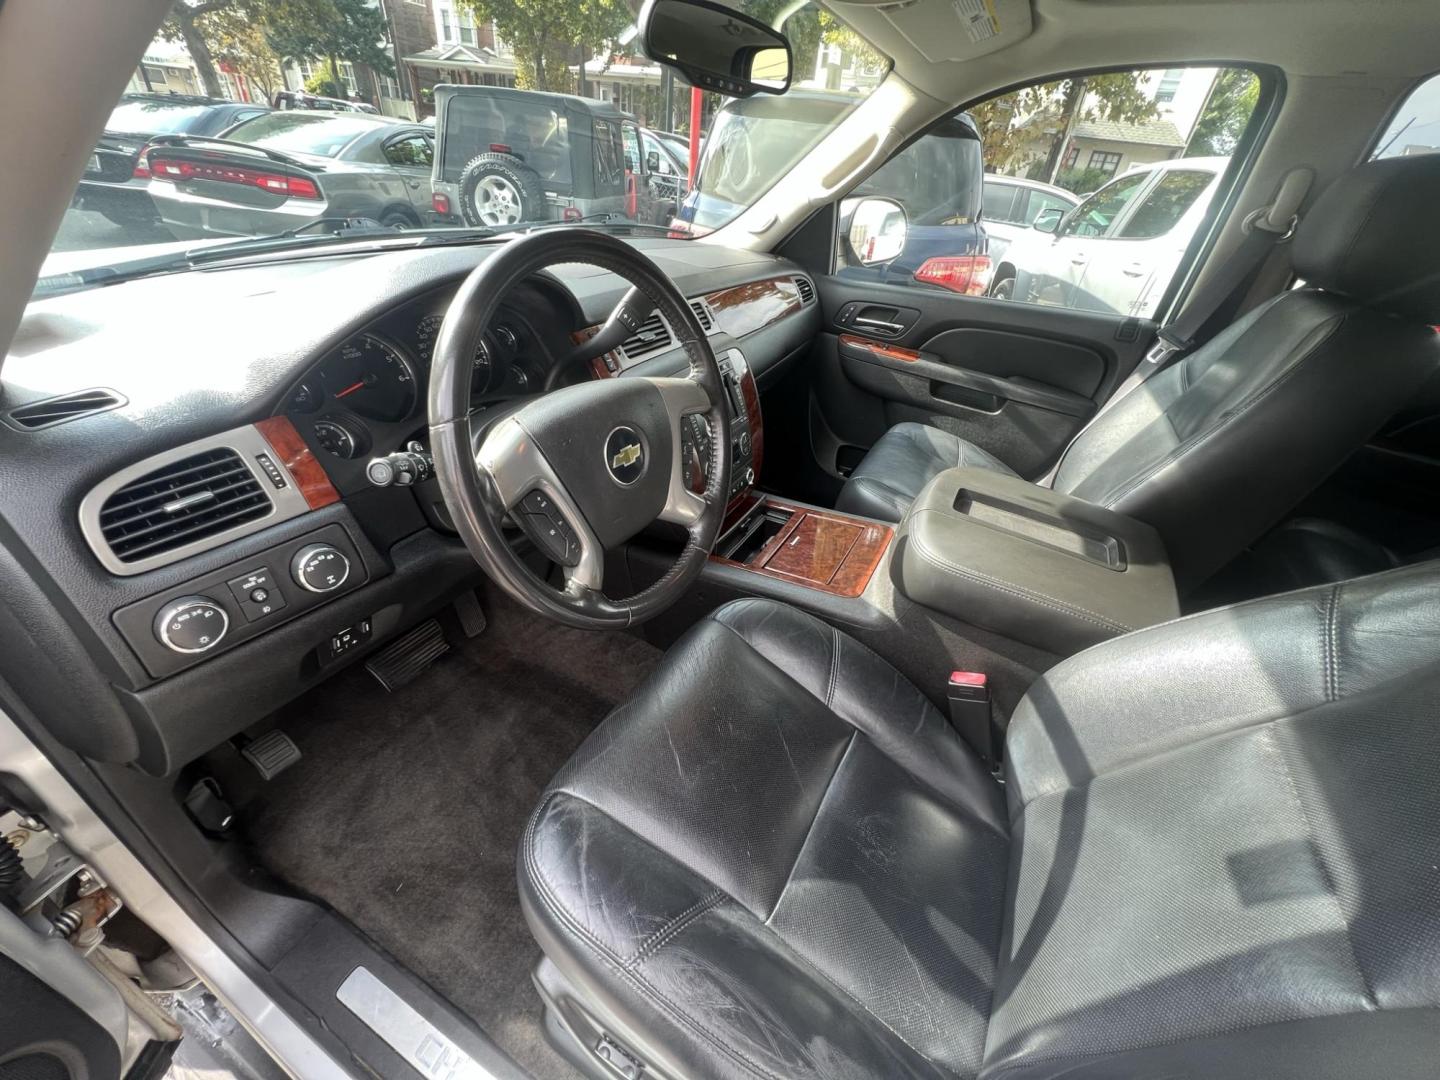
point(507, 157)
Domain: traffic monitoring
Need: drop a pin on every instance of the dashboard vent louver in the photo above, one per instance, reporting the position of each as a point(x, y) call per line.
point(188, 500)
point(702, 312)
point(806, 290)
point(652, 336)
point(58, 410)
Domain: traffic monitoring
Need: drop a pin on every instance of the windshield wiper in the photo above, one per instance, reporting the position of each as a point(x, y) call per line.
point(321, 228)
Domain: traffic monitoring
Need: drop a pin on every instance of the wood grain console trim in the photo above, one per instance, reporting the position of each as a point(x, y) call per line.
point(880, 349)
point(820, 549)
point(297, 457)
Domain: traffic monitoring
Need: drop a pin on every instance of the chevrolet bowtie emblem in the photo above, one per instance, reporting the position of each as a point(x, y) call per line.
point(627, 456)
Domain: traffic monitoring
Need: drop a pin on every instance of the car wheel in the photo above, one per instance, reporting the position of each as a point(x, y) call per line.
point(399, 219)
point(1004, 289)
point(498, 189)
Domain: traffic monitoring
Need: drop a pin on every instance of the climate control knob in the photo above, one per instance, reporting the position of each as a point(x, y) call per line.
point(191, 624)
point(320, 568)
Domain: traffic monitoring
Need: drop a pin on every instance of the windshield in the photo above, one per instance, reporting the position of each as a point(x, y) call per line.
point(467, 129)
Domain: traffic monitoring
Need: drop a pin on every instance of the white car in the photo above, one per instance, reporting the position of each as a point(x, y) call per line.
point(1012, 203)
point(1117, 250)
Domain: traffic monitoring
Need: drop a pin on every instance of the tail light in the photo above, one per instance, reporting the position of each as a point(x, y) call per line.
point(294, 187)
point(142, 167)
point(968, 274)
point(440, 202)
point(571, 213)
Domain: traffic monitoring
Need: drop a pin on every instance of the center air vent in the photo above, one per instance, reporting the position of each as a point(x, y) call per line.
point(652, 336)
point(57, 410)
point(196, 497)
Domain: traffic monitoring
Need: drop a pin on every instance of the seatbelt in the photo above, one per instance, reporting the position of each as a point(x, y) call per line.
point(1263, 229)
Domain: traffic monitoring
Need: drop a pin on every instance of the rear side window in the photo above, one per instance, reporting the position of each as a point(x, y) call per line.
point(1000, 201)
point(532, 130)
point(1166, 203)
point(1416, 127)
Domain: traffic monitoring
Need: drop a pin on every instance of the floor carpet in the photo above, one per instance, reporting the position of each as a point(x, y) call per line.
point(406, 811)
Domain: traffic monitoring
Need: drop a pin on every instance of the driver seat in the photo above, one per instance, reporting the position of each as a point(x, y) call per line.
point(1215, 855)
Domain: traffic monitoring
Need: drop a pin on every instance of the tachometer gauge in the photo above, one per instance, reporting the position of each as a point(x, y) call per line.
point(371, 378)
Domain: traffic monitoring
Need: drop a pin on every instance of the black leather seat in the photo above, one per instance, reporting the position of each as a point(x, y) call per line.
point(1215, 855)
point(1218, 447)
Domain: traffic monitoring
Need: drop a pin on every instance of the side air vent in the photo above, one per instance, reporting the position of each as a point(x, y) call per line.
point(58, 410)
point(807, 290)
point(188, 500)
point(702, 312)
point(652, 336)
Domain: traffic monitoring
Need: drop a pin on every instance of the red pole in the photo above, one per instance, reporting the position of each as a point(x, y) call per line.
point(695, 103)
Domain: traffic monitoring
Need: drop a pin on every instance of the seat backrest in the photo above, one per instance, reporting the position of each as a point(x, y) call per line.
point(1217, 448)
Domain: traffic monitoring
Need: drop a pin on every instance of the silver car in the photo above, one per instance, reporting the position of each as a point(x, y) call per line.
point(287, 170)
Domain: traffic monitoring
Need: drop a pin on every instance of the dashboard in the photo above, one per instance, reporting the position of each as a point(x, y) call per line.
point(196, 540)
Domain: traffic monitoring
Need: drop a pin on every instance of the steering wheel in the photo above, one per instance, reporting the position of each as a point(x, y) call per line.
point(583, 468)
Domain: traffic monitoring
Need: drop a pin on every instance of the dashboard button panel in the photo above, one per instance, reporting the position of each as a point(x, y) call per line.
point(241, 601)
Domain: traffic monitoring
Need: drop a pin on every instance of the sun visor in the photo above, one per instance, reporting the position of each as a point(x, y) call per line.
point(955, 29)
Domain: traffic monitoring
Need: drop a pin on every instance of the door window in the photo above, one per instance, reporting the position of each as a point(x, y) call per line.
point(411, 152)
point(609, 158)
point(631, 134)
point(1164, 206)
point(1099, 137)
point(1097, 213)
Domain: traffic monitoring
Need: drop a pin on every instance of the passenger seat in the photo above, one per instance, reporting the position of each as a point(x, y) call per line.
point(1215, 449)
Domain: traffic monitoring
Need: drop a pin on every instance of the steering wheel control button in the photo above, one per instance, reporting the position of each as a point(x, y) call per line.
point(191, 624)
point(546, 526)
point(320, 568)
point(257, 594)
point(625, 455)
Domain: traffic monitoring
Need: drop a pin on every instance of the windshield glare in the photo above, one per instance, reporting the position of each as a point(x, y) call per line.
point(471, 134)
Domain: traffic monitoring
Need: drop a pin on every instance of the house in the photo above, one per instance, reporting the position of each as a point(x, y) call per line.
point(165, 69)
point(461, 51)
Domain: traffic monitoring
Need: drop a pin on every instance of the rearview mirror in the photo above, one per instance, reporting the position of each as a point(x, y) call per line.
point(715, 48)
point(876, 232)
point(1048, 220)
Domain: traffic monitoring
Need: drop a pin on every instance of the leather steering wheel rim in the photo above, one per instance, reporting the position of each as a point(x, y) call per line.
point(475, 483)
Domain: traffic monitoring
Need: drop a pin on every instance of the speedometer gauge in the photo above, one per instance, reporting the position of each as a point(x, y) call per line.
point(371, 378)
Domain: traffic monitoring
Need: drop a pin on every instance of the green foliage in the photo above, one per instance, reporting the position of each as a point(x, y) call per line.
point(326, 82)
point(327, 30)
point(1232, 101)
point(1083, 181)
point(545, 34)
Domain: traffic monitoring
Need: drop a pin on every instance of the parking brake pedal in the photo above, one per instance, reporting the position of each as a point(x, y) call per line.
point(403, 661)
point(271, 754)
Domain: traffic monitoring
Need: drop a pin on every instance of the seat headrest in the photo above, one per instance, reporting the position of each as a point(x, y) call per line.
point(1374, 236)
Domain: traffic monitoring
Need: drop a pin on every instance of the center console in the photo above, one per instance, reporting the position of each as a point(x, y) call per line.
point(1039, 567)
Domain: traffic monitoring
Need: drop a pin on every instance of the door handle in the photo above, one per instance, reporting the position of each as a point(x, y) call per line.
point(878, 324)
point(1079, 260)
point(1135, 269)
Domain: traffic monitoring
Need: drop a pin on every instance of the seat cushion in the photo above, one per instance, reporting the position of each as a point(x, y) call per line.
point(778, 860)
point(903, 461)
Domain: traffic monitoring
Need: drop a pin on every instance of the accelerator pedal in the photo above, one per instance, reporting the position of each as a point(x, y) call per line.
point(404, 660)
point(271, 754)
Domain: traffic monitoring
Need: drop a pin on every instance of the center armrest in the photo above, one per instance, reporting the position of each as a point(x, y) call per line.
point(1039, 567)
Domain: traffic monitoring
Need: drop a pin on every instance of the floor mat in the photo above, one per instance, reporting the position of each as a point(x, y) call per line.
point(406, 811)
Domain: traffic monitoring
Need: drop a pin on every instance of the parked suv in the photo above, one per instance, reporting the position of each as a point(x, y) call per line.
point(110, 186)
point(511, 156)
point(1117, 250)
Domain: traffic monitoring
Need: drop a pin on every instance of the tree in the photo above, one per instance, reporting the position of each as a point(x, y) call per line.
point(1232, 100)
point(186, 23)
point(1118, 96)
point(239, 41)
point(331, 30)
point(544, 33)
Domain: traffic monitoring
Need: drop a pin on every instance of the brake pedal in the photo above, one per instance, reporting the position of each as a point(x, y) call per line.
point(271, 754)
point(405, 659)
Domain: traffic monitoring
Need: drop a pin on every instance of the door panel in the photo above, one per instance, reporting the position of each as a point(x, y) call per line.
point(1018, 380)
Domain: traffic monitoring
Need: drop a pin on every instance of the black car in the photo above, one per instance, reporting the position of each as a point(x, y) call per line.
point(110, 186)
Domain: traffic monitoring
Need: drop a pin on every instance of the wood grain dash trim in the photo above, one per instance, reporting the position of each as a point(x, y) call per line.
point(302, 464)
point(880, 349)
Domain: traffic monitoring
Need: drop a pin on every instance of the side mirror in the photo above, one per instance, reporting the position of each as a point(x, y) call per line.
point(652, 161)
point(876, 231)
point(1048, 220)
point(714, 47)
